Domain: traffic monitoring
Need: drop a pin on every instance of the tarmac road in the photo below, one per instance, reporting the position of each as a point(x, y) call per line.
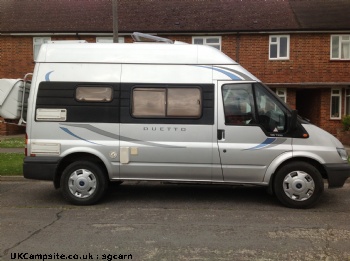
point(153, 221)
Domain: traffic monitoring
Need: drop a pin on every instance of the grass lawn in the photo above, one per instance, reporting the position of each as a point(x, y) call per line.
point(11, 164)
point(12, 143)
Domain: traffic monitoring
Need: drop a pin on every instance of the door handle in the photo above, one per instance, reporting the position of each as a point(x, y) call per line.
point(221, 134)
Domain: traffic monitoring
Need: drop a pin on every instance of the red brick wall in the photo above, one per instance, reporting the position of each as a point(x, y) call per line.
point(291, 98)
point(10, 128)
point(309, 60)
point(16, 56)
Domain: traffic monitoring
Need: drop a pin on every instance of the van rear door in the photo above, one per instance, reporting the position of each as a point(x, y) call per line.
point(251, 124)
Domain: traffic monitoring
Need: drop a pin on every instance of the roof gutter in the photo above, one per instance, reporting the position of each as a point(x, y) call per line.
point(309, 84)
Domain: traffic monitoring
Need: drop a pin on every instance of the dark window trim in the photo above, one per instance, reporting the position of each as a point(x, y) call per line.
point(208, 103)
point(62, 95)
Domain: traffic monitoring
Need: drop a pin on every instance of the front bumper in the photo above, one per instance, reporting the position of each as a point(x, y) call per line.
point(337, 174)
point(41, 168)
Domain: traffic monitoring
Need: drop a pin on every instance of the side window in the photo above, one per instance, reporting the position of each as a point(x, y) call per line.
point(340, 47)
point(148, 102)
point(336, 104)
point(167, 102)
point(282, 94)
point(347, 101)
point(109, 40)
point(93, 94)
point(214, 41)
point(279, 47)
point(238, 104)
point(184, 102)
point(270, 115)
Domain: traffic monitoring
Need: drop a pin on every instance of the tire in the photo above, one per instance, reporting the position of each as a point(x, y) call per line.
point(298, 185)
point(83, 183)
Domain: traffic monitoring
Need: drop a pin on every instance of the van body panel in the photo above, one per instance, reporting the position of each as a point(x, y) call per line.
point(164, 73)
point(278, 161)
point(187, 150)
point(79, 72)
point(320, 146)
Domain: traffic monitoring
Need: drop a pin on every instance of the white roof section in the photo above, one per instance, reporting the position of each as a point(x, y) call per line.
point(131, 53)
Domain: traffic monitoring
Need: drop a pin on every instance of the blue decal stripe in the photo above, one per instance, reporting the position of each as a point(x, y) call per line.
point(231, 75)
point(47, 76)
point(264, 144)
point(76, 136)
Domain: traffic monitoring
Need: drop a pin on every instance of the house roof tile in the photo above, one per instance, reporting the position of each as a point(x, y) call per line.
point(176, 16)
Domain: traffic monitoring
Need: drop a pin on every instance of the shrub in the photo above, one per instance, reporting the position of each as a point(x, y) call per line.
point(346, 122)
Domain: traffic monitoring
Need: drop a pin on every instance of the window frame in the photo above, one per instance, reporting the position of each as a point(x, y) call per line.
point(278, 44)
point(108, 39)
point(339, 47)
point(260, 91)
point(89, 100)
point(205, 38)
point(43, 39)
point(347, 101)
point(284, 96)
point(234, 110)
point(339, 95)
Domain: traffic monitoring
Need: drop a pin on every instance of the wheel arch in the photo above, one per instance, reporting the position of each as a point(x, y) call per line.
point(310, 161)
point(78, 156)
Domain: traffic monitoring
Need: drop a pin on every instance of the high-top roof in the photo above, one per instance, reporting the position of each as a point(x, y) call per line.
point(173, 16)
point(132, 53)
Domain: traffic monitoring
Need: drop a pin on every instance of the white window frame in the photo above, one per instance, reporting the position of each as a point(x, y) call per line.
point(282, 96)
point(338, 47)
point(109, 39)
point(37, 42)
point(339, 95)
point(278, 44)
point(205, 40)
point(347, 103)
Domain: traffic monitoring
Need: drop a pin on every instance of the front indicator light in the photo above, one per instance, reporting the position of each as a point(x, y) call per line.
point(343, 154)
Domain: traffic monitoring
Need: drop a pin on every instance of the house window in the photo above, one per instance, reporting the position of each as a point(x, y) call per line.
point(108, 39)
point(336, 104)
point(340, 47)
point(347, 101)
point(214, 41)
point(282, 93)
point(37, 42)
point(279, 47)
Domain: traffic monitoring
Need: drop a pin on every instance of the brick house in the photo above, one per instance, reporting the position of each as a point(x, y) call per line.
point(300, 49)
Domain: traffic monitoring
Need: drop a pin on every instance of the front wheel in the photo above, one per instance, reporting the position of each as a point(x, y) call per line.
point(83, 183)
point(298, 185)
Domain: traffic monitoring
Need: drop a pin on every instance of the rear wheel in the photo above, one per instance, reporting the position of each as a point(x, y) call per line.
point(298, 185)
point(83, 183)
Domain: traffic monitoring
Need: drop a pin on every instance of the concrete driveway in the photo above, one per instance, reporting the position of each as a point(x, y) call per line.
point(153, 221)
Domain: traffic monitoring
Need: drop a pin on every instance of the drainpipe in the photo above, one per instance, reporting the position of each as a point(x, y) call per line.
point(115, 20)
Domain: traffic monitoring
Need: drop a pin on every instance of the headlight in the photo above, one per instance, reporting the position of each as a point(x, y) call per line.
point(343, 153)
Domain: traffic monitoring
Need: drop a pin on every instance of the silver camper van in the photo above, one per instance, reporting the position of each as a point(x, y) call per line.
point(101, 113)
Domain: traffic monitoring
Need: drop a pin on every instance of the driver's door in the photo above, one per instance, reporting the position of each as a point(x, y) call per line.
point(249, 137)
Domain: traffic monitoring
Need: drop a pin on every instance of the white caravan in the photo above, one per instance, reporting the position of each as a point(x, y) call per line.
point(99, 113)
